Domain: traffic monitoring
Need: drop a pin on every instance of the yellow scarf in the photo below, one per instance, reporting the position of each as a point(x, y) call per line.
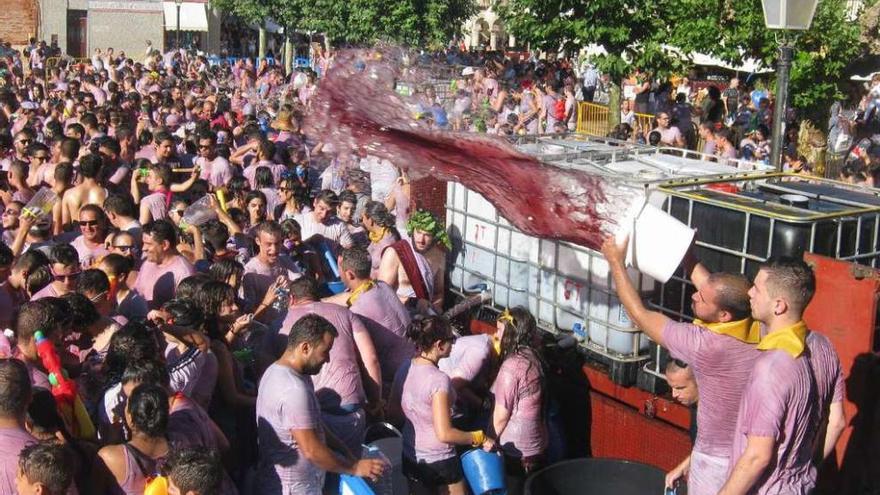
point(378, 236)
point(745, 330)
point(355, 294)
point(790, 339)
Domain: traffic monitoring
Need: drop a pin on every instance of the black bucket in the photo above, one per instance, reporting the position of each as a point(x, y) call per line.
point(596, 477)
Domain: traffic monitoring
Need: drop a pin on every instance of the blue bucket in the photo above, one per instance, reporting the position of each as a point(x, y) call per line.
point(353, 485)
point(336, 286)
point(484, 471)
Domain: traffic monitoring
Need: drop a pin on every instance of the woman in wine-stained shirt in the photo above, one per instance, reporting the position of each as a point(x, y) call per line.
point(422, 397)
point(517, 418)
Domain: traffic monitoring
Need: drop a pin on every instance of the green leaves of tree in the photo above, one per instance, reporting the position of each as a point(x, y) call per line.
point(425, 23)
point(634, 33)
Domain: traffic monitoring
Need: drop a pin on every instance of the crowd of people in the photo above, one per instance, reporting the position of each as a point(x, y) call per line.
point(202, 298)
point(215, 302)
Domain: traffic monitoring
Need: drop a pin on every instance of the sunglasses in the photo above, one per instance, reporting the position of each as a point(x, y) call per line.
point(179, 212)
point(40, 157)
point(88, 223)
point(124, 248)
point(24, 141)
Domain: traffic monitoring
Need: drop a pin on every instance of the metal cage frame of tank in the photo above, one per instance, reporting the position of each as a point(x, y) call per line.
point(684, 191)
point(536, 271)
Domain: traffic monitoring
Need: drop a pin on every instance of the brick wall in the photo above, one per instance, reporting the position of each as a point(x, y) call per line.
point(430, 194)
point(19, 21)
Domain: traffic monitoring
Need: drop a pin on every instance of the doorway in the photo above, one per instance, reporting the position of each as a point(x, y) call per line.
point(77, 33)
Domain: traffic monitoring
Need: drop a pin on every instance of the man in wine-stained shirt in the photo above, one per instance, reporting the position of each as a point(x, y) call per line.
point(719, 346)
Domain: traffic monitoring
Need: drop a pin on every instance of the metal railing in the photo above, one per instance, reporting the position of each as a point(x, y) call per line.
point(592, 119)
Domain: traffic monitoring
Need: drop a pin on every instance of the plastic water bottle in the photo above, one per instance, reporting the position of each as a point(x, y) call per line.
point(282, 295)
point(41, 204)
point(198, 213)
point(579, 330)
point(384, 484)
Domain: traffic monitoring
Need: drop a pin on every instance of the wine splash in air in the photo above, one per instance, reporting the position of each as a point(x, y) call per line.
point(357, 107)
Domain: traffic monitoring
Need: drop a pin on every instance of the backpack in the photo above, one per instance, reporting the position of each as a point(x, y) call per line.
point(559, 109)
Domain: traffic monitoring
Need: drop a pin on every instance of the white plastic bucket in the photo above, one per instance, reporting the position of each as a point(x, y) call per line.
point(657, 241)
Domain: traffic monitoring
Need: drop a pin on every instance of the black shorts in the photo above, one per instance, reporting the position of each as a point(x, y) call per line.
point(440, 473)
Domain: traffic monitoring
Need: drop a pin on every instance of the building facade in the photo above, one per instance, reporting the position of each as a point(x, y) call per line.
point(486, 30)
point(79, 27)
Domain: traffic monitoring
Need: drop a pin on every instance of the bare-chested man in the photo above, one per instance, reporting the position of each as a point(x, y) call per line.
point(419, 257)
point(88, 192)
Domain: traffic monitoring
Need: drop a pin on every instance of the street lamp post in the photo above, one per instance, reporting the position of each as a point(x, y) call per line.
point(786, 15)
point(177, 3)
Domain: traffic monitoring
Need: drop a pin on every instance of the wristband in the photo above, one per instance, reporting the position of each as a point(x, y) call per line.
point(477, 438)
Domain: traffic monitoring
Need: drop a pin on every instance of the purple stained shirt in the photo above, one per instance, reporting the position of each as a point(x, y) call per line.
point(721, 366)
point(258, 276)
point(158, 283)
point(88, 256)
point(518, 388)
point(47, 291)
point(201, 379)
point(250, 172)
point(13, 441)
point(376, 249)
point(339, 381)
point(286, 401)
point(133, 307)
point(190, 426)
point(780, 401)
point(218, 172)
point(386, 318)
point(9, 304)
point(469, 358)
point(416, 383)
point(156, 204)
point(827, 369)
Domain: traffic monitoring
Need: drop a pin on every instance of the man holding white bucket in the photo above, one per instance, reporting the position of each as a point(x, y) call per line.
point(720, 348)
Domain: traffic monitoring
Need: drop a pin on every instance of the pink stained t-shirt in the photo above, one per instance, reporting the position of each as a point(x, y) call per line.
point(780, 401)
point(250, 172)
point(218, 172)
point(157, 204)
point(286, 401)
point(376, 249)
point(469, 358)
point(158, 283)
point(339, 381)
point(258, 276)
point(13, 441)
point(827, 369)
point(518, 388)
point(416, 384)
point(88, 256)
point(386, 318)
point(722, 366)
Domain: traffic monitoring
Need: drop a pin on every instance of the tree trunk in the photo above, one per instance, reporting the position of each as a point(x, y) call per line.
point(288, 52)
point(261, 51)
point(613, 106)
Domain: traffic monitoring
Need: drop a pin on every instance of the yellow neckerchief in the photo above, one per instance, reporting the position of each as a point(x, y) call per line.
point(378, 236)
point(355, 294)
point(789, 339)
point(745, 330)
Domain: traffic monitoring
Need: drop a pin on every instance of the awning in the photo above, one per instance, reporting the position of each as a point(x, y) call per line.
point(193, 16)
